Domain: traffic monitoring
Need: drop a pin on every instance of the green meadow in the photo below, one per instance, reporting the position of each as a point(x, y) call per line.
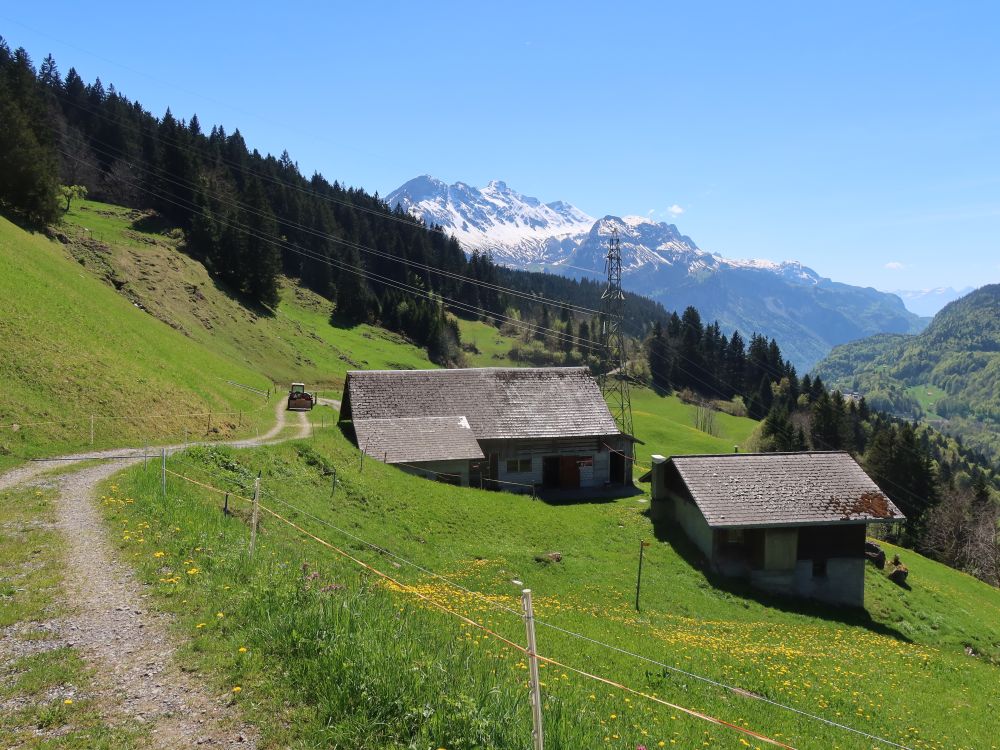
point(337, 656)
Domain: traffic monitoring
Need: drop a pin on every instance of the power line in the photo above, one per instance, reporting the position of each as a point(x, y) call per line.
point(363, 273)
point(402, 286)
point(414, 224)
point(473, 623)
point(501, 607)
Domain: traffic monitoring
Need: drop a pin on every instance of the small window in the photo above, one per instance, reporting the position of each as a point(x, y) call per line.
point(819, 567)
point(518, 465)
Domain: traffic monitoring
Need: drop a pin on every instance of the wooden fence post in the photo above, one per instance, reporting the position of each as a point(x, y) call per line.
point(536, 694)
point(638, 578)
point(255, 515)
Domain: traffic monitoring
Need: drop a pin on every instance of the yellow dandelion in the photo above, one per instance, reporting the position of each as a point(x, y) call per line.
point(237, 689)
point(192, 571)
point(243, 649)
point(159, 554)
point(68, 702)
point(219, 614)
point(200, 625)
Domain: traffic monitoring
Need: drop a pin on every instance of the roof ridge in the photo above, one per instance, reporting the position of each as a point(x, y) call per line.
point(474, 369)
point(759, 453)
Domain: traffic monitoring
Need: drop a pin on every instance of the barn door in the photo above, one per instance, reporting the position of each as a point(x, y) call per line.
point(550, 471)
point(569, 472)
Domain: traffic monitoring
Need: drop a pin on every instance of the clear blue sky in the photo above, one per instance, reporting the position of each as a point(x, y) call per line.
point(860, 138)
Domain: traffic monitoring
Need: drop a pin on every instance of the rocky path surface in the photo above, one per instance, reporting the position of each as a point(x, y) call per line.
point(111, 625)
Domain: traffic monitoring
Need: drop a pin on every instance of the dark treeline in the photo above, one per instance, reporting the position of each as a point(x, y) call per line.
point(942, 487)
point(251, 217)
point(685, 354)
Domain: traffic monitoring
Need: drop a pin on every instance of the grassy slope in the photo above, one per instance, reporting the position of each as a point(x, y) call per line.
point(903, 673)
point(72, 347)
point(866, 673)
point(295, 343)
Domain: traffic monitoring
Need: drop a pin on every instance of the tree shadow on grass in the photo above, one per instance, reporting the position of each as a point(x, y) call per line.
point(670, 532)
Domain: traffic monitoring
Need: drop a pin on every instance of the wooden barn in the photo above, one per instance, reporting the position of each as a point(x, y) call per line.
point(791, 523)
point(502, 428)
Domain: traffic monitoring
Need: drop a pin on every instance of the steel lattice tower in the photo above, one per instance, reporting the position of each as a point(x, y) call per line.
point(614, 374)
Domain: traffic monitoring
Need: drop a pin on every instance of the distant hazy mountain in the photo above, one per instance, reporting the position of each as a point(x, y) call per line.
point(927, 302)
point(947, 374)
point(806, 313)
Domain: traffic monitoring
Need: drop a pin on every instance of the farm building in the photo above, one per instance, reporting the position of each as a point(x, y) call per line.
point(501, 428)
point(791, 523)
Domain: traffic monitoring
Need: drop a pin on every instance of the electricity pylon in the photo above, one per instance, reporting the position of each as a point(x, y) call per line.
point(614, 375)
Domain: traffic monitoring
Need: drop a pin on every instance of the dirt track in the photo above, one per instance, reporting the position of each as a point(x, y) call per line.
point(109, 623)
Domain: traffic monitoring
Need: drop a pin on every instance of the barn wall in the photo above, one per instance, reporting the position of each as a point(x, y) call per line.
point(780, 549)
point(596, 475)
point(428, 469)
point(844, 582)
point(689, 518)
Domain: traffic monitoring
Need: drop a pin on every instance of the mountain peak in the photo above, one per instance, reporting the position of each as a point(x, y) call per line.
point(517, 229)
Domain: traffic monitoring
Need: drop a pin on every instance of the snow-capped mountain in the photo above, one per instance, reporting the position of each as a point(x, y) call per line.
point(929, 302)
point(650, 246)
point(519, 230)
point(807, 313)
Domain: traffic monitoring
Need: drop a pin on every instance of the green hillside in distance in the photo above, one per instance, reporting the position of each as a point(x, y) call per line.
point(946, 375)
point(112, 319)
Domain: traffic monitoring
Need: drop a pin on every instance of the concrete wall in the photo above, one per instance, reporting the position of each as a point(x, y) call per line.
point(844, 582)
point(429, 469)
point(689, 518)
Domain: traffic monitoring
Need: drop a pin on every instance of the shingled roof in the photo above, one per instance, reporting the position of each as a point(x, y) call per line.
point(734, 490)
point(499, 403)
point(408, 440)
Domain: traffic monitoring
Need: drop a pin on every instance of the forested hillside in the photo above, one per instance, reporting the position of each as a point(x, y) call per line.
point(252, 217)
point(946, 376)
point(947, 491)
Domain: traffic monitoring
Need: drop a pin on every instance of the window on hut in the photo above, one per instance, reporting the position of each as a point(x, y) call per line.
point(518, 465)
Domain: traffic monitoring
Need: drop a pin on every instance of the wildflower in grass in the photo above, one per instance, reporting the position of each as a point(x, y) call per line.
point(200, 625)
point(219, 614)
point(243, 649)
point(68, 702)
point(237, 689)
point(192, 571)
point(159, 554)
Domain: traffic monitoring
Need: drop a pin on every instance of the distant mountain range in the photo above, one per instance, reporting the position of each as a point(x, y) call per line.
point(946, 375)
point(927, 302)
point(807, 313)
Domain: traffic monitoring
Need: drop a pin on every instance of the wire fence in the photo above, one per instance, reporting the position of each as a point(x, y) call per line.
point(206, 482)
point(430, 601)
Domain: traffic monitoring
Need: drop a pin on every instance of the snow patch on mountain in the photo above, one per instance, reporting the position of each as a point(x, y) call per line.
point(517, 229)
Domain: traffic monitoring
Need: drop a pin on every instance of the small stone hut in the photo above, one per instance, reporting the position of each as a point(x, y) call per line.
point(791, 523)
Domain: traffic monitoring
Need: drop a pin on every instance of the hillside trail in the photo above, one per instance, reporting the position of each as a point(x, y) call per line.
point(110, 623)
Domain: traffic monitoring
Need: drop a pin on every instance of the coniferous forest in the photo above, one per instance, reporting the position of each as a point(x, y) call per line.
point(252, 217)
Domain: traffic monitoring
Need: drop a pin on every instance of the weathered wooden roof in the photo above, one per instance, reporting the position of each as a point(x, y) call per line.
point(500, 403)
point(409, 440)
point(783, 489)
